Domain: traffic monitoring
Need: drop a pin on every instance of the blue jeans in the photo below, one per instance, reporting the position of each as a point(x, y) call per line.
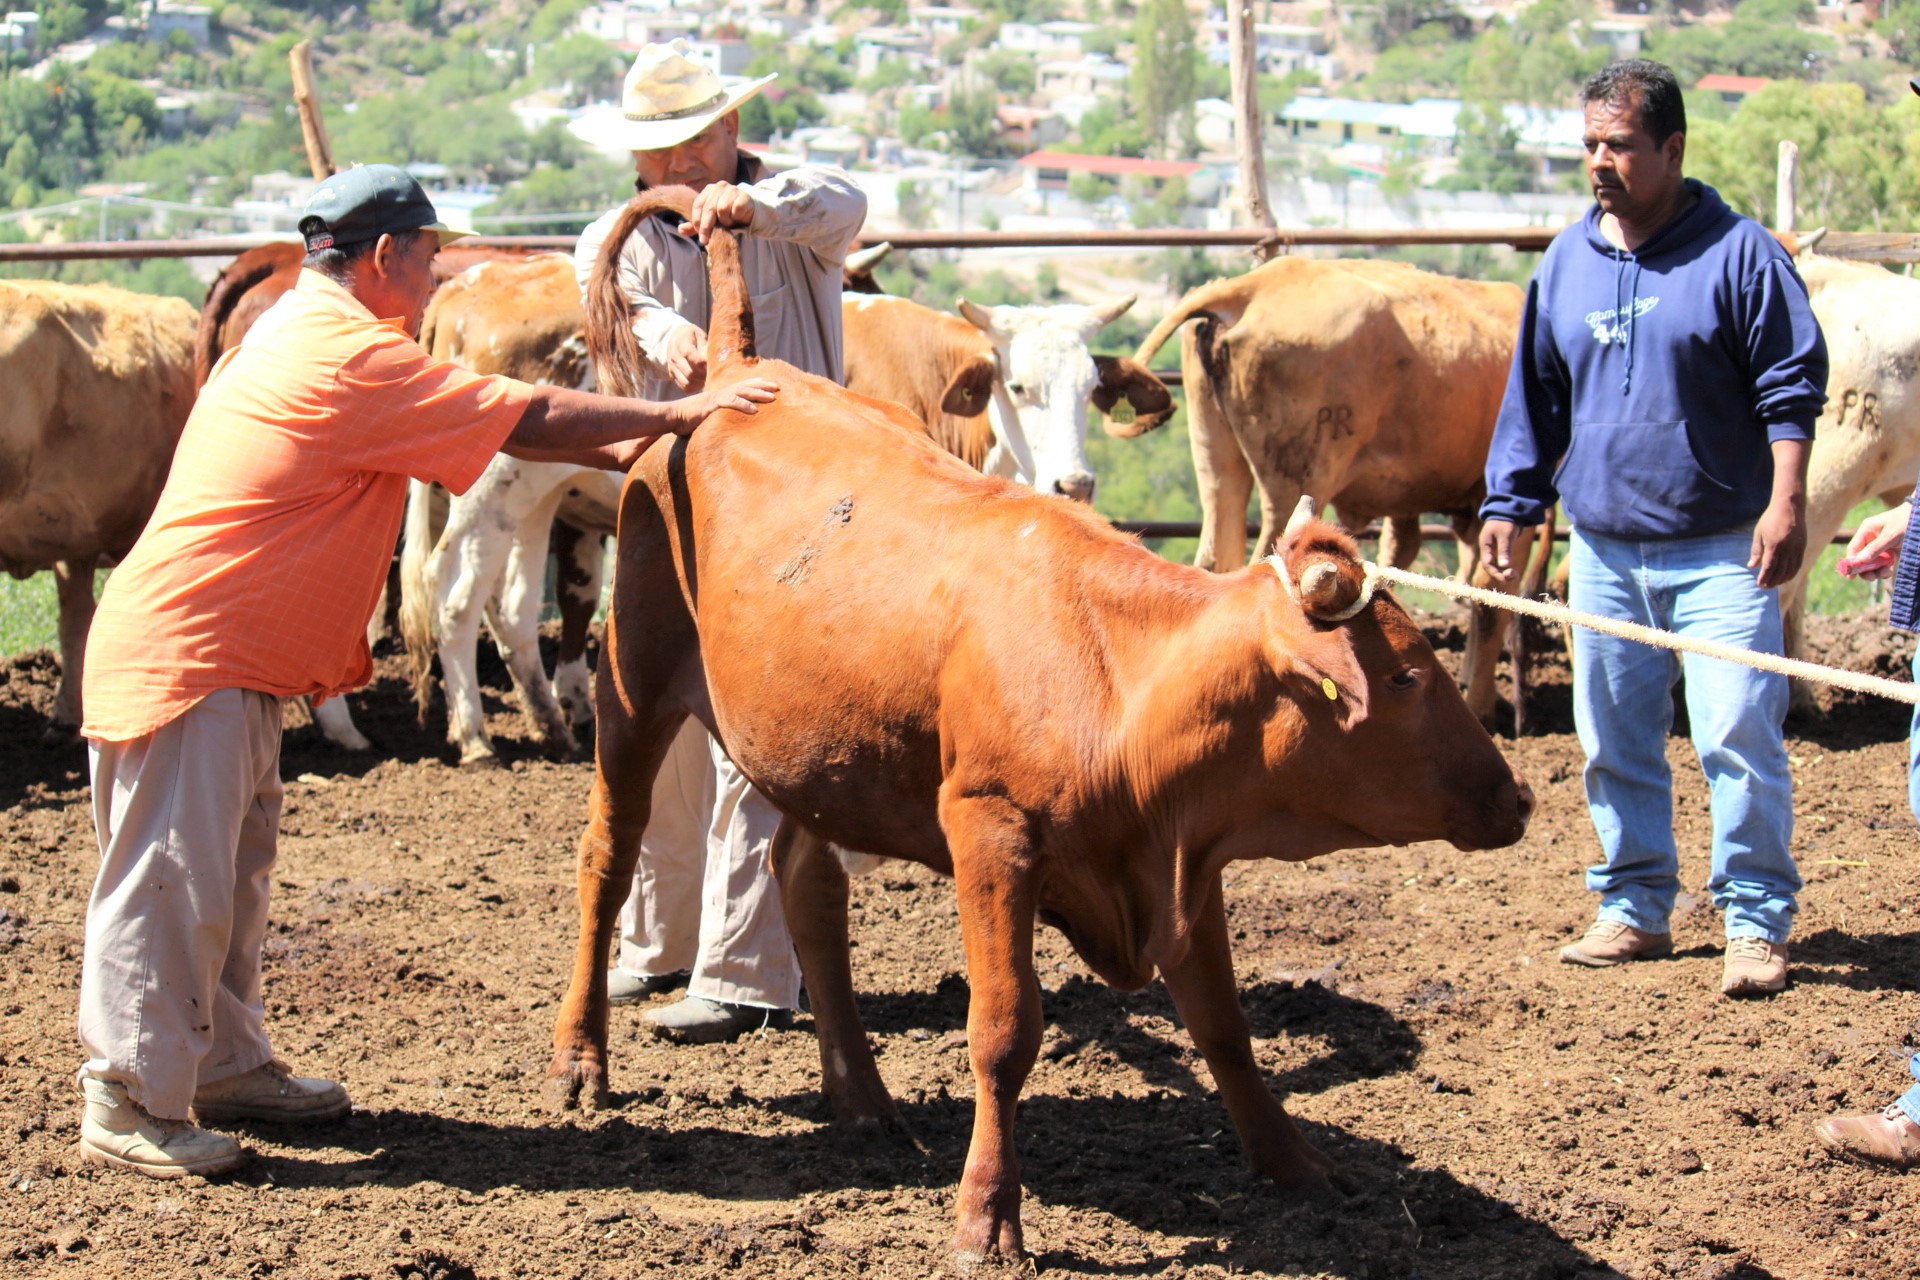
point(1913, 768)
point(1909, 1101)
point(1623, 709)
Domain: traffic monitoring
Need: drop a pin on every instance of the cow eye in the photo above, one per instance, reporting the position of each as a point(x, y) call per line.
point(1404, 679)
point(1018, 388)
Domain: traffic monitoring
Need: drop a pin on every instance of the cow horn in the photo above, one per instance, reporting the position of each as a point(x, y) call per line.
point(1113, 311)
point(1319, 586)
point(1305, 511)
point(978, 316)
point(1811, 239)
point(863, 262)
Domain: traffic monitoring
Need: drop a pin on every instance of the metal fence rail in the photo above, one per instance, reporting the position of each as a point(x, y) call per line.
point(1525, 238)
point(1191, 529)
point(1861, 245)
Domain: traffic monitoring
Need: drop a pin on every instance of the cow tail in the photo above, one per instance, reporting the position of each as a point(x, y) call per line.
point(610, 342)
point(224, 294)
point(730, 335)
point(1218, 298)
point(416, 593)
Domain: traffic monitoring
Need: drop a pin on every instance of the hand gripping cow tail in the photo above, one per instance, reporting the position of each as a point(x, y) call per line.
point(618, 364)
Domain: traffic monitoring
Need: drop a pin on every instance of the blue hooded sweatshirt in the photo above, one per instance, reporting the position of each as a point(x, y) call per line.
point(1647, 387)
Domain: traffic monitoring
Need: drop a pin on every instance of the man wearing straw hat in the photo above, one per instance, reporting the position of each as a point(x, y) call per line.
point(704, 910)
point(1664, 389)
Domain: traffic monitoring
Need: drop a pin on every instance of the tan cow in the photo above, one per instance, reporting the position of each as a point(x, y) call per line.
point(921, 662)
point(1374, 383)
point(97, 386)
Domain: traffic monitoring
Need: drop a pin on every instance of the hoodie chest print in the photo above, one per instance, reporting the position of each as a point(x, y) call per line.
point(1606, 325)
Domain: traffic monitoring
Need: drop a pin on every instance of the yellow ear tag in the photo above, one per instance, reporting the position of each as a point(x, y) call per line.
point(1327, 687)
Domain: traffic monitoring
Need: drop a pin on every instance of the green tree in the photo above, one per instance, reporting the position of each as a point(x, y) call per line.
point(1763, 38)
point(1534, 60)
point(1859, 164)
point(916, 204)
point(1088, 188)
point(1161, 85)
point(1487, 147)
point(1153, 206)
point(1107, 130)
point(588, 67)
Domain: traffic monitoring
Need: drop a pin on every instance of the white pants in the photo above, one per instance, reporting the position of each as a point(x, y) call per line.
point(704, 897)
point(188, 819)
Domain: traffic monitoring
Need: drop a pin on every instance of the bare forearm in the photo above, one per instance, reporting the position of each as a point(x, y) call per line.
point(561, 425)
point(1790, 471)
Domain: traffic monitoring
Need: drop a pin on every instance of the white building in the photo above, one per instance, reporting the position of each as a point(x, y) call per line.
point(1060, 39)
point(194, 20)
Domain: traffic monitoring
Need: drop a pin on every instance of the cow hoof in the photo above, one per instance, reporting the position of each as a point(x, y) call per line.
point(887, 1130)
point(487, 760)
point(575, 1086)
point(988, 1252)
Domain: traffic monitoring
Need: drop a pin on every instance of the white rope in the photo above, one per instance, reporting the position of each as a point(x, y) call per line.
point(1859, 682)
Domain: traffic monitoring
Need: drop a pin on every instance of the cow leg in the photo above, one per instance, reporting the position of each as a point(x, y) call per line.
point(1003, 1018)
point(579, 562)
point(514, 618)
point(628, 758)
point(1399, 541)
point(468, 558)
point(73, 586)
point(1793, 608)
point(1204, 991)
point(813, 893)
point(1219, 468)
point(335, 722)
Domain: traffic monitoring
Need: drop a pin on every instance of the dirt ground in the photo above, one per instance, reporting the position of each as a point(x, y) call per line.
point(1495, 1113)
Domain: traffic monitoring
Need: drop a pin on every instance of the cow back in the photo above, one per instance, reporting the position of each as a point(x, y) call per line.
point(99, 382)
point(519, 318)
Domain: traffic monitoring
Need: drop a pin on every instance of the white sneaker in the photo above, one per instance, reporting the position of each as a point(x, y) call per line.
point(116, 1130)
point(270, 1092)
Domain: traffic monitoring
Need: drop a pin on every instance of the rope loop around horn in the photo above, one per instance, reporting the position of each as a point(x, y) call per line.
point(1360, 602)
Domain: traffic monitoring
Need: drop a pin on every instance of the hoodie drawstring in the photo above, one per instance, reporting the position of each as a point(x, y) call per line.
point(1623, 316)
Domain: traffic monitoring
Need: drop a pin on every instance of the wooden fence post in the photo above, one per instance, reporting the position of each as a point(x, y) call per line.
point(1786, 186)
point(313, 130)
point(1249, 138)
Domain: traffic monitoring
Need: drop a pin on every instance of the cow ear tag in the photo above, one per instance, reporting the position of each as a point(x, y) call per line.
point(1327, 687)
point(1122, 412)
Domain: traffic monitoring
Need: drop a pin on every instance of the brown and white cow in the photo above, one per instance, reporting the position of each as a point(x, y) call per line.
point(97, 384)
point(917, 661)
point(485, 551)
point(1004, 388)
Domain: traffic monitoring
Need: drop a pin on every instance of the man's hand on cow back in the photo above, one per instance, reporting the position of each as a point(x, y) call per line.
point(719, 204)
point(745, 396)
point(686, 356)
point(1496, 548)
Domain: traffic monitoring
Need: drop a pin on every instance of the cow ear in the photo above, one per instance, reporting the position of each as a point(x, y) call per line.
point(970, 391)
point(1148, 403)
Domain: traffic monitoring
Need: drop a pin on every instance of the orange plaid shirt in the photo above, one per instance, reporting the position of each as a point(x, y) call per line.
point(268, 550)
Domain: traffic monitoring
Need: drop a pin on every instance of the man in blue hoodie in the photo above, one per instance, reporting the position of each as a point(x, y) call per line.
point(1664, 390)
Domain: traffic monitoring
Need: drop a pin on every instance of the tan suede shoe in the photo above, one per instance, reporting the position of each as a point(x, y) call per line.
point(1754, 967)
point(116, 1130)
point(1608, 943)
point(1887, 1138)
point(270, 1092)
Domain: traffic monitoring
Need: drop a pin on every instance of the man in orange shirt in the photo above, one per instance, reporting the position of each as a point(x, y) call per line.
point(254, 580)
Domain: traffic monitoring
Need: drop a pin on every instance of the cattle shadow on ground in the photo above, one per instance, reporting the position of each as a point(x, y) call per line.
point(33, 757)
point(1363, 1040)
point(1864, 962)
point(1390, 1218)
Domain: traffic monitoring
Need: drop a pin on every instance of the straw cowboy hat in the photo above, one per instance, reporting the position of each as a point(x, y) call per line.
point(669, 96)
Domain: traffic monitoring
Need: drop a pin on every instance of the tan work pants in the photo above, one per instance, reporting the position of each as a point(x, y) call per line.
point(187, 819)
point(704, 898)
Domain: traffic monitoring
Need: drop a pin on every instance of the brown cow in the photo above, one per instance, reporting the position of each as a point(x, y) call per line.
point(917, 661)
point(98, 383)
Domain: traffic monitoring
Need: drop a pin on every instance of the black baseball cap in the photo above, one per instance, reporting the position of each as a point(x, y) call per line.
point(365, 203)
point(1913, 83)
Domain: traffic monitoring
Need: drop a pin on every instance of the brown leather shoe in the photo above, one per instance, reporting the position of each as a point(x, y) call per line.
point(1754, 967)
point(1608, 942)
point(1887, 1138)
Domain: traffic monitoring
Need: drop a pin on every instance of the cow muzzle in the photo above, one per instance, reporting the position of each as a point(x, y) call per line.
point(1077, 485)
